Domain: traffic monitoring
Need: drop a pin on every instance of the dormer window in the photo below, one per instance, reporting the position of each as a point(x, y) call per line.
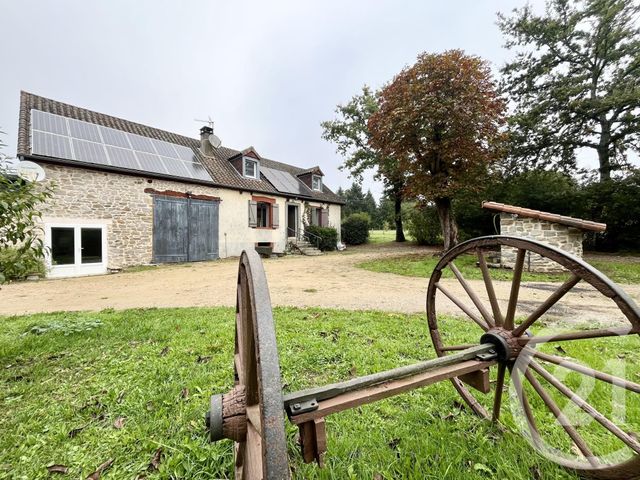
point(316, 182)
point(250, 168)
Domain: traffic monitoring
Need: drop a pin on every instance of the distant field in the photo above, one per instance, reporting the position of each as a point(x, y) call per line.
point(382, 236)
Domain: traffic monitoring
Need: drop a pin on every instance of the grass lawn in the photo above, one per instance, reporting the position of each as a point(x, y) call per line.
point(382, 236)
point(79, 389)
point(422, 265)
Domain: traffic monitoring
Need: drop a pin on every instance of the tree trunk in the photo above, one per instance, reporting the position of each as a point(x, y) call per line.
point(447, 222)
point(397, 197)
point(604, 152)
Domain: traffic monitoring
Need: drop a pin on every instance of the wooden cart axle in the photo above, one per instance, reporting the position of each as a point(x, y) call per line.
point(227, 417)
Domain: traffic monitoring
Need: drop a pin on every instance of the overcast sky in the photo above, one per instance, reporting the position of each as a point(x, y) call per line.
point(267, 72)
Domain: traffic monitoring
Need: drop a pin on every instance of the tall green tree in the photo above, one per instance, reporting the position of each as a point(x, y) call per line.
point(442, 118)
point(574, 81)
point(350, 132)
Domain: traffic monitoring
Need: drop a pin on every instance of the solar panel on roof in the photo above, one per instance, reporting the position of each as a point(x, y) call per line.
point(165, 149)
point(115, 137)
point(284, 181)
point(91, 152)
point(55, 145)
point(67, 138)
point(48, 122)
point(84, 130)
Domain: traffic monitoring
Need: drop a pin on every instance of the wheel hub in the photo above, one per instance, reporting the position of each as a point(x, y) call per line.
point(506, 344)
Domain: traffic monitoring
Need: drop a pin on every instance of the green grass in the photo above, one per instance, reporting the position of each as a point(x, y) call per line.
point(68, 377)
point(422, 265)
point(382, 236)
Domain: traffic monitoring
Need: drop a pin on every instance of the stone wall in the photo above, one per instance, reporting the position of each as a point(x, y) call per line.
point(566, 238)
point(119, 203)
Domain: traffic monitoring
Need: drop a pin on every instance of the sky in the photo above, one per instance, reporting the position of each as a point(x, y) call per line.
point(267, 73)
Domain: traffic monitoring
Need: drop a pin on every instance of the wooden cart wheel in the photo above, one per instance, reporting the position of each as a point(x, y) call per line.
point(541, 398)
point(252, 413)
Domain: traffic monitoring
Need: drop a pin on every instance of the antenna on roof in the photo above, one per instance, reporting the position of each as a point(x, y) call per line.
point(213, 138)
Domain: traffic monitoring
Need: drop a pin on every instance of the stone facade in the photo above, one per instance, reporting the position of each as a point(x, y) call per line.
point(119, 203)
point(560, 236)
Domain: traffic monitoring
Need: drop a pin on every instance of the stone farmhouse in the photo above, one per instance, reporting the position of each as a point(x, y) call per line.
point(128, 194)
point(565, 233)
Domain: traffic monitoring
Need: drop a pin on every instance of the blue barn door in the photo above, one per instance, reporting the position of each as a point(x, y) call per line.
point(184, 229)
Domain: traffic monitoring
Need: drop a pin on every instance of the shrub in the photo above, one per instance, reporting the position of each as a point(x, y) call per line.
point(355, 228)
point(16, 264)
point(423, 224)
point(328, 237)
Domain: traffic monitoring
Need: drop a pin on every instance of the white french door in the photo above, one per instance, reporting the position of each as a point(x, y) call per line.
point(75, 250)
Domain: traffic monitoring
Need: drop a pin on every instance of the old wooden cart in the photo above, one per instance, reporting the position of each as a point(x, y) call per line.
point(252, 413)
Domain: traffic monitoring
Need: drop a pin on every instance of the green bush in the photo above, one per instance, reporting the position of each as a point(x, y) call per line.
point(15, 265)
point(422, 224)
point(328, 237)
point(355, 229)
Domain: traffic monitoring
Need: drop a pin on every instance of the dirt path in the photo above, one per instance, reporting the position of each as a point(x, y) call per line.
point(328, 281)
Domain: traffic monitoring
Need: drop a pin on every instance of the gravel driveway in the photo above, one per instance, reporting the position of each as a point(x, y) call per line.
point(331, 280)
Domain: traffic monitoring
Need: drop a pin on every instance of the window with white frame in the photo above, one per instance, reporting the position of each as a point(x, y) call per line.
point(316, 182)
point(250, 168)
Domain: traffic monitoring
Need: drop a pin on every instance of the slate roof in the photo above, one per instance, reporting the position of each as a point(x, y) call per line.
point(221, 170)
point(549, 217)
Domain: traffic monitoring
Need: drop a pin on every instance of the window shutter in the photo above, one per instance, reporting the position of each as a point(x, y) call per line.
point(275, 216)
point(253, 214)
point(324, 217)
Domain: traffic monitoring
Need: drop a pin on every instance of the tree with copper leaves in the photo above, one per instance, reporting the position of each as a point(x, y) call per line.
point(442, 118)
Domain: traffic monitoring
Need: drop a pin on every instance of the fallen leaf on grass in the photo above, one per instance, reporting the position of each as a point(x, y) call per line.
point(377, 476)
point(155, 460)
point(96, 475)
point(119, 423)
point(184, 394)
point(56, 468)
point(353, 371)
point(164, 351)
point(202, 359)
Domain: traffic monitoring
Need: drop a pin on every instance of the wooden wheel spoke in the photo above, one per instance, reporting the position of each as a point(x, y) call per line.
point(254, 459)
point(562, 419)
point(627, 439)
point(463, 307)
point(491, 293)
point(472, 295)
point(515, 289)
point(550, 302)
point(579, 335)
point(497, 400)
point(590, 372)
point(253, 417)
point(526, 407)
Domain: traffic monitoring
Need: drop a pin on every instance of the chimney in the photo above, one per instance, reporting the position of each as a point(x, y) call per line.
point(205, 144)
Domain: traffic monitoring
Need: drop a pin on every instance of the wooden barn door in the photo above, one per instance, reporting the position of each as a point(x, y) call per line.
point(184, 230)
point(203, 230)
